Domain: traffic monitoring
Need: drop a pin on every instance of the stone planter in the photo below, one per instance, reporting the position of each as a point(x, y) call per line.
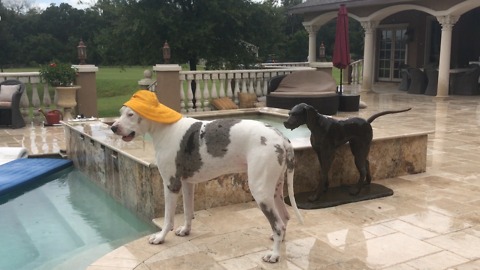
point(66, 99)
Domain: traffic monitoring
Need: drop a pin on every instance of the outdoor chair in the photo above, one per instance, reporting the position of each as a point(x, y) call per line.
point(10, 94)
point(418, 81)
point(405, 82)
point(466, 83)
point(432, 76)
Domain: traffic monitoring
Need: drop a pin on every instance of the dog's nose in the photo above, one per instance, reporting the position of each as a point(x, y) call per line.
point(114, 129)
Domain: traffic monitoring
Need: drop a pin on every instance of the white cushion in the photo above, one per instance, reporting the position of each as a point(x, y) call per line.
point(7, 91)
point(307, 81)
point(5, 104)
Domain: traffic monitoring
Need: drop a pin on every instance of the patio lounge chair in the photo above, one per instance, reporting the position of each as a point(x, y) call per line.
point(315, 88)
point(10, 94)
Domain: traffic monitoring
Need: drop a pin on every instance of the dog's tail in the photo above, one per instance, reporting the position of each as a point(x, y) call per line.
point(290, 172)
point(375, 116)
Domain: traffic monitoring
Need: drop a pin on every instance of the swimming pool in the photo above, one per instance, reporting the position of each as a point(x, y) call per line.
point(65, 223)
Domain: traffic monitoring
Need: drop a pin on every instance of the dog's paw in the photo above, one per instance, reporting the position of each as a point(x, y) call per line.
point(353, 191)
point(182, 231)
point(271, 258)
point(156, 239)
point(314, 197)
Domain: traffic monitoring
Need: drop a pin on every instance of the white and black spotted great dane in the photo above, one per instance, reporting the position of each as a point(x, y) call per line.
point(190, 151)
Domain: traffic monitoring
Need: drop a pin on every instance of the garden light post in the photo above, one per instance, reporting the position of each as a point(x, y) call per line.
point(166, 53)
point(82, 52)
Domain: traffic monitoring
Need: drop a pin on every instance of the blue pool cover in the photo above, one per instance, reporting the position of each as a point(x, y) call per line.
point(24, 171)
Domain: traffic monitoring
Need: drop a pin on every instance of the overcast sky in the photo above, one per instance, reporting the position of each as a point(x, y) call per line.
point(43, 4)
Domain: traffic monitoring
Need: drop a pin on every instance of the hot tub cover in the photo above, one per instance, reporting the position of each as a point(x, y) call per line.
point(24, 171)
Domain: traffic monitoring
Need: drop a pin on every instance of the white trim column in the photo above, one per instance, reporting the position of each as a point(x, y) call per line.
point(447, 23)
point(368, 55)
point(312, 42)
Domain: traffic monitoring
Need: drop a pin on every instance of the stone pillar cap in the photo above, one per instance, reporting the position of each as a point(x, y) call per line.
point(86, 68)
point(167, 67)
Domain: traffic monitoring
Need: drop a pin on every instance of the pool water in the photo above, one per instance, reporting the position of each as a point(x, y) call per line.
point(273, 120)
point(65, 223)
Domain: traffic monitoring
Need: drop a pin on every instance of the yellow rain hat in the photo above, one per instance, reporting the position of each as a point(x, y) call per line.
point(146, 104)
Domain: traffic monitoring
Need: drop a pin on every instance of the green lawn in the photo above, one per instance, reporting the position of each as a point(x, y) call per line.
point(115, 85)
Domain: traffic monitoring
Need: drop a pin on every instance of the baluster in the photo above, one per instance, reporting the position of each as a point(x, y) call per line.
point(258, 89)
point(360, 74)
point(222, 77)
point(25, 105)
point(189, 92)
point(213, 91)
point(236, 89)
point(55, 99)
point(230, 81)
point(357, 73)
point(35, 104)
point(183, 100)
point(244, 82)
point(46, 96)
point(206, 92)
point(198, 93)
point(352, 73)
point(251, 77)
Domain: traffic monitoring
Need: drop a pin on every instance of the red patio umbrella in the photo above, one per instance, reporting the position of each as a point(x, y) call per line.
point(341, 50)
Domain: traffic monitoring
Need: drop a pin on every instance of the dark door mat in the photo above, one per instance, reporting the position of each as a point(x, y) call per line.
point(339, 195)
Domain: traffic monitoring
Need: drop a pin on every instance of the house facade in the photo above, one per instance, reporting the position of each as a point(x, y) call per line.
point(418, 33)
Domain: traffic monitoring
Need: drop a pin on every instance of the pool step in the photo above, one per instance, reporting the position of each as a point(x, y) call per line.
point(78, 223)
point(44, 230)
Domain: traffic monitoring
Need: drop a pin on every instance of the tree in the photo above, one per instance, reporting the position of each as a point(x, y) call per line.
point(224, 33)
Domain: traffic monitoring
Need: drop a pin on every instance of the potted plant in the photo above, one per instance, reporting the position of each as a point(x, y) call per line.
point(58, 74)
point(62, 77)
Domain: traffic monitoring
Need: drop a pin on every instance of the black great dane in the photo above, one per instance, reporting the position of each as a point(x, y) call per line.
point(327, 134)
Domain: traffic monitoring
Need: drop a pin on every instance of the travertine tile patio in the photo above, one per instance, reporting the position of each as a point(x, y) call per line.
point(431, 222)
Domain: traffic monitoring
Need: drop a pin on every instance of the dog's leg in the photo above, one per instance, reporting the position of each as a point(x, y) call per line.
point(280, 203)
point(188, 190)
point(325, 157)
point(369, 175)
point(360, 152)
point(263, 179)
point(170, 205)
point(269, 209)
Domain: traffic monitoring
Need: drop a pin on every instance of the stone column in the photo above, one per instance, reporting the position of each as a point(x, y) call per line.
point(87, 94)
point(447, 23)
point(312, 42)
point(368, 55)
point(168, 85)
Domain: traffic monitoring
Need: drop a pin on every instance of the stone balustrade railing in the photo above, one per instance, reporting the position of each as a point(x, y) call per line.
point(31, 103)
point(197, 88)
point(357, 71)
point(284, 65)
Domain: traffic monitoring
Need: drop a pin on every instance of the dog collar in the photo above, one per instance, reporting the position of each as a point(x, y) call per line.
point(146, 104)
